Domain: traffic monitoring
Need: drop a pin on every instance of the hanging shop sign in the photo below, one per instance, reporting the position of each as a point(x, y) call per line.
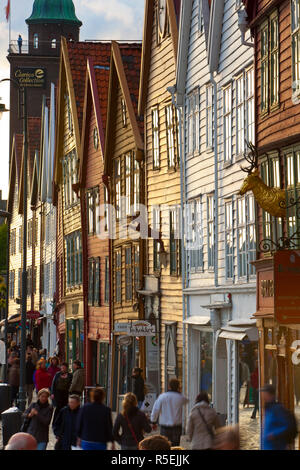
point(30, 77)
point(124, 340)
point(141, 328)
point(286, 286)
point(33, 315)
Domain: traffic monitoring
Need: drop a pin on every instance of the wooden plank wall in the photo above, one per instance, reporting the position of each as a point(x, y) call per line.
point(284, 122)
point(162, 187)
point(98, 317)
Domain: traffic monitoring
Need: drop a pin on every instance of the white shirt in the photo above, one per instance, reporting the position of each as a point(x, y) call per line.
point(168, 408)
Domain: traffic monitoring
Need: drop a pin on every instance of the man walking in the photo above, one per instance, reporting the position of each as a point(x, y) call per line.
point(138, 385)
point(64, 427)
point(168, 410)
point(60, 389)
point(279, 427)
point(77, 385)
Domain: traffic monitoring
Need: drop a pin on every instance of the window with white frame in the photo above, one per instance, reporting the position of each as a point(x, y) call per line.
point(11, 284)
point(128, 175)
point(74, 259)
point(229, 252)
point(194, 234)
point(155, 138)
point(295, 12)
point(124, 112)
point(106, 213)
point(170, 127)
point(209, 116)
point(92, 197)
point(136, 186)
point(70, 177)
point(270, 174)
point(156, 224)
point(174, 242)
point(36, 41)
point(246, 235)
point(250, 105)
point(118, 276)
point(269, 37)
point(193, 123)
point(118, 187)
point(211, 232)
point(240, 115)
point(69, 114)
point(227, 117)
point(292, 183)
point(128, 273)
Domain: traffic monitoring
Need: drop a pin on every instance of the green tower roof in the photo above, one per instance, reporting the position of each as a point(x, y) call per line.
point(53, 11)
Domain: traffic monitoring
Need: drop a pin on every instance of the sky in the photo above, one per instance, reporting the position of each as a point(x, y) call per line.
point(102, 19)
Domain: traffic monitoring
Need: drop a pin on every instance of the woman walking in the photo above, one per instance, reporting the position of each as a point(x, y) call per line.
point(54, 366)
point(60, 389)
point(94, 424)
point(202, 422)
point(39, 415)
point(133, 422)
point(42, 377)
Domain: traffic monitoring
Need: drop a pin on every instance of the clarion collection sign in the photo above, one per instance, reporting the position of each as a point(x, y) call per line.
point(30, 77)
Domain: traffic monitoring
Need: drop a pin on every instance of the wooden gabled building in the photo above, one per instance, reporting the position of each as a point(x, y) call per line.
point(71, 92)
point(93, 197)
point(124, 169)
point(163, 285)
point(275, 26)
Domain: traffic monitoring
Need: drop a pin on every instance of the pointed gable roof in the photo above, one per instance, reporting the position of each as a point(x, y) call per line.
point(125, 67)
point(97, 84)
point(34, 141)
point(173, 11)
point(215, 34)
point(15, 169)
point(73, 67)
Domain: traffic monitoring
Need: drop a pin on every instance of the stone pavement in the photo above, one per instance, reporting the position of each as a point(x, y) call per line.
point(249, 429)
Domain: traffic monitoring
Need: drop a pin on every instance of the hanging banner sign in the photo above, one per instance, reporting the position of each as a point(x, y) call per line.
point(286, 286)
point(30, 77)
point(141, 328)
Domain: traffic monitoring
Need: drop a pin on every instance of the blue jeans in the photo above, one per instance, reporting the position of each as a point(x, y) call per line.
point(140, 403)
point(87, 445)
point(42, 446)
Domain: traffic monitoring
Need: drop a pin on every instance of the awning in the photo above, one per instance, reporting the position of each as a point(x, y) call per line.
point(16, 317)
point(232, 335)
point(238, 334)
point(197, 320)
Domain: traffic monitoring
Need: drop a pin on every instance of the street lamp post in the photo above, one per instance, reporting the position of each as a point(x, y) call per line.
point(7, 215)
point(23, 106)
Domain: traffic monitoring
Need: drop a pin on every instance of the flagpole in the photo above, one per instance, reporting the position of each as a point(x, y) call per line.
point(9, 26)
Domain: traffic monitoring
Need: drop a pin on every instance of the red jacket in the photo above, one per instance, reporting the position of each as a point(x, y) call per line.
point(43, 379)
point(254, 379)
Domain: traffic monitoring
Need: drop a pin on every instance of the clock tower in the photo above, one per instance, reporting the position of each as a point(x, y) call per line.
point(39, 55)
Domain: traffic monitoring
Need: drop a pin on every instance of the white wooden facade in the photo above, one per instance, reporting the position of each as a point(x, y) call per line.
point(49, 336)
point(215, 92)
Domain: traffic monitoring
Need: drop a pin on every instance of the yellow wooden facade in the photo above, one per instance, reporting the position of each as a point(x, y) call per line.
point(162, 185)
point(68, 142)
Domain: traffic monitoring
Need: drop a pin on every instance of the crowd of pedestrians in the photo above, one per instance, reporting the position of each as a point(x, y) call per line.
point(90, 426)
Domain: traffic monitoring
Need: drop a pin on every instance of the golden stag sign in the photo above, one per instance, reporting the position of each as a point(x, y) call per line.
point(272, 200)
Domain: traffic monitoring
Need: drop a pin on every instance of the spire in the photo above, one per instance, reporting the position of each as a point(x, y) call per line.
point(53, 11)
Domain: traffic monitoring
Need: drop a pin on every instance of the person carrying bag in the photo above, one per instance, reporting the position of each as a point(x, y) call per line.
point(202, 422)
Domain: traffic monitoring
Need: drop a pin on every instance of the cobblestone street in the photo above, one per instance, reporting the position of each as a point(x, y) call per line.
point(249, 433)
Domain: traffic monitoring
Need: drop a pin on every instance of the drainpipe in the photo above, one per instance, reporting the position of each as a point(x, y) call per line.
point(244, 26)
point(173, 90)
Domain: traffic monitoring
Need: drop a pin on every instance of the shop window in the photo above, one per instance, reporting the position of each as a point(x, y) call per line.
point(53, 44)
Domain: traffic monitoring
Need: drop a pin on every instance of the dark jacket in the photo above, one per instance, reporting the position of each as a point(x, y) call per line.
point(94, 423)
point(29, 372)
point(57, 393)
point(138, 388)
point(139, 423)
point(64, 427)
point(39, 424)
point(274, 427)
point(14, 376)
